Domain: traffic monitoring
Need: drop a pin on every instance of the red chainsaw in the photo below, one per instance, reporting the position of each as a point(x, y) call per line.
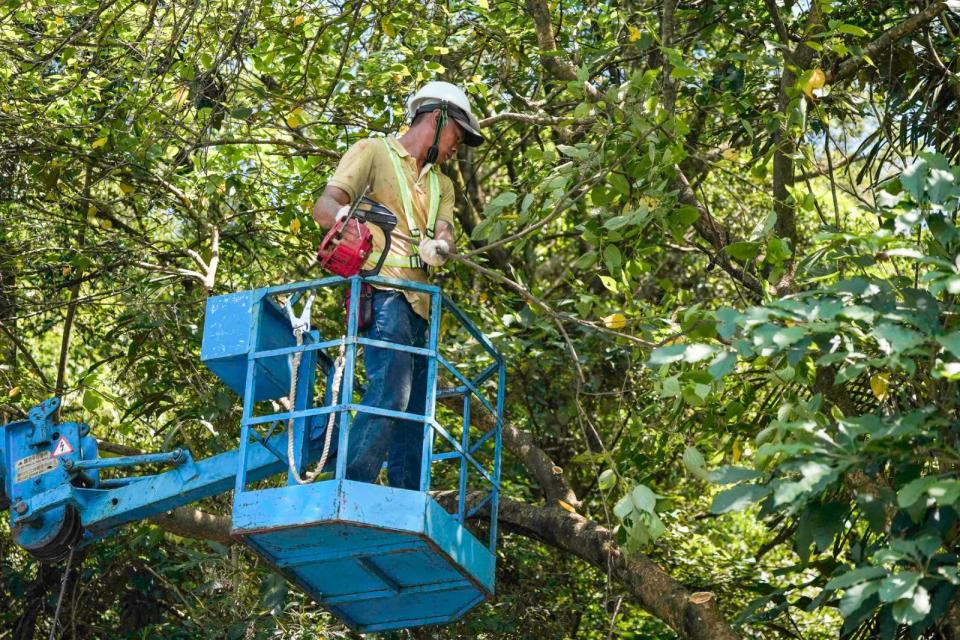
point(349, 243)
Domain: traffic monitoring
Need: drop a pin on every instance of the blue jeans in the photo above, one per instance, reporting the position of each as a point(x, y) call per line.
point(396, 380)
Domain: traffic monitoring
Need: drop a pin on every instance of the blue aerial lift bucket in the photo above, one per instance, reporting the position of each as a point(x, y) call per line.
point(377, 557)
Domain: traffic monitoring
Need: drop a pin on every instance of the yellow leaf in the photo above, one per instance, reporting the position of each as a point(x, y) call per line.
point(293, 120)
point(180, 95)
point(127, 188)
point(105, 223)
point(14, 392)
point(634, 34)
point(295, 226)
point(566, 506)
point(58, 20)
point(615, 321)
point(387, 27)
point(99, 142)
point(816, 81)
point(66, 271)
point(879, 383)
point(737, 451)
point(298, 20)
point(483, 4)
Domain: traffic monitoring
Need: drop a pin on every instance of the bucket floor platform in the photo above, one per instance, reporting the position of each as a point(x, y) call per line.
point(378, 558)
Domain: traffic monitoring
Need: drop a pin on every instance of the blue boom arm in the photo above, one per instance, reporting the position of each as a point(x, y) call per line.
point(58, 499)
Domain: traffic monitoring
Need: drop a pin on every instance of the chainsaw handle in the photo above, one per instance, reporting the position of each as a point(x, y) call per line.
point(378, 215)
point(383, 256)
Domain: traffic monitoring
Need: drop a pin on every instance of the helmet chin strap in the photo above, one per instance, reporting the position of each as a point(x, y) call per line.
point(434, 149)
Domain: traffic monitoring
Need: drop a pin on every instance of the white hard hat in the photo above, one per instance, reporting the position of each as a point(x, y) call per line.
point(433, 93)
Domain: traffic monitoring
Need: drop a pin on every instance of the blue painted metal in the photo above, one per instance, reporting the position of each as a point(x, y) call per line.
point(379, 558)
point(177, 456)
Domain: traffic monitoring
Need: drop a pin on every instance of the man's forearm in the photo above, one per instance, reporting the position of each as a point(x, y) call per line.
point(326, 207)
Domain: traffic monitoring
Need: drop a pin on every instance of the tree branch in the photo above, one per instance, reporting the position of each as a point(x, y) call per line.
point(851, 65)
point(559, 66)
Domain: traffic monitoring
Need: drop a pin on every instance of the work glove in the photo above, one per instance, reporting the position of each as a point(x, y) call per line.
point(433, 252)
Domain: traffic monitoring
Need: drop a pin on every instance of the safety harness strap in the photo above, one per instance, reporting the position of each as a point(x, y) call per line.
point(399, 262)
point(411, 261)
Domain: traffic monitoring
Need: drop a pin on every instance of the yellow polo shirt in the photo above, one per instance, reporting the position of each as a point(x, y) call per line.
point(367, 163)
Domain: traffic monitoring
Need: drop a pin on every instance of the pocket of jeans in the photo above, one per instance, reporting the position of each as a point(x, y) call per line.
point(391, 320)
point(382, 308)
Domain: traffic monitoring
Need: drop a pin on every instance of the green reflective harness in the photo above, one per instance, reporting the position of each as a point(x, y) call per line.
point(412, 260)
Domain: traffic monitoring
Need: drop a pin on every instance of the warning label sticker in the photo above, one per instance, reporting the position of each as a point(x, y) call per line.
point(63, 447)
point(33, 466)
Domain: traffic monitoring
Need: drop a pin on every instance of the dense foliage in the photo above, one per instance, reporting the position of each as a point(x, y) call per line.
point(716, 240)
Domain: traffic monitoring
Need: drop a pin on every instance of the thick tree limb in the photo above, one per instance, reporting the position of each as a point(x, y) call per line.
point(559, 66)
point(531, 118)
point(851, 65)
point(785, 147)
point(194, 523)
point(777, 22)
point(667, 26)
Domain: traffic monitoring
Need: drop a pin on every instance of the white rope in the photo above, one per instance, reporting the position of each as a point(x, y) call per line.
point(300, 326)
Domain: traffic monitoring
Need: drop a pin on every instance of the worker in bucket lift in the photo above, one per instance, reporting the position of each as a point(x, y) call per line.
point(402, 174)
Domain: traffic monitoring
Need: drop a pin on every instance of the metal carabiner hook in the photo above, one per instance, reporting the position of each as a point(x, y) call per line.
point(301, 323)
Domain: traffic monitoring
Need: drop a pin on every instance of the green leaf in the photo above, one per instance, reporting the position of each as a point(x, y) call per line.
point(573, 152)
point(666, 355)
point(912, 610)
point(858, 595)
point(91, 400)
point(895, 339)
point(778, 251)
point(609, 283)
point(945, 492)
point(643, 498)
point(697, 352)
point(913, 179)
point(951, 342)
point(624, 507)
point(743, 250)
point(695, 463)
point(722, 364)
point(852, 29)
point(912, 492)
point(764, 227)
point(612, 257)
point(685, 215)
point(498, 204)
point(670, 387)
point(620, 183)
point(730, 475)
point(738, 498)
point(901, 585)
point(607, 480)
point(789, 335)
point(858, 575)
